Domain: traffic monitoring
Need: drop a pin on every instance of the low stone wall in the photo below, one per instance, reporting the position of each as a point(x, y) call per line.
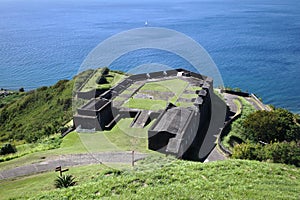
point(243, 94)
point(224, 130)
point(91, 94)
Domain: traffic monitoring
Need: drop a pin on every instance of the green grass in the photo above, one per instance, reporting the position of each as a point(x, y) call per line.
point(118, 98)
point(123, 137)
point(91, 83)
point(189, 96)
point(52, 142)
point(194, 88)
point(10, 98)
point(231, 179)
point(184, 104)
point(37, 114)
point(145, 104)
point(176, 86)
point(111, 80)
point(35, 184)
point(119, 138)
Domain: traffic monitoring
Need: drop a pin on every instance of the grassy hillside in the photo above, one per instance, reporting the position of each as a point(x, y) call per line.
point(231, 179)
point(37, 113)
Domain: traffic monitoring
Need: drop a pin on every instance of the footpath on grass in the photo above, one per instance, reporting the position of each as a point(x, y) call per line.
point(71, 160)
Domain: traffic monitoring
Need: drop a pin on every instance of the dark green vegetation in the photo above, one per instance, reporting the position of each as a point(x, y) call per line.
point(11, 97)
point(278, 152)
point(7, 149)
point(231, 179)
point(277, 125)
point(64, 181)
point(273, 136)
point(37, 114)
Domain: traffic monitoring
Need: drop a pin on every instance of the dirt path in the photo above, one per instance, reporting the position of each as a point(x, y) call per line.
point(70, 160)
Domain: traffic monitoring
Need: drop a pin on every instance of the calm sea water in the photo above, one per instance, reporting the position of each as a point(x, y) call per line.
point(254, 43)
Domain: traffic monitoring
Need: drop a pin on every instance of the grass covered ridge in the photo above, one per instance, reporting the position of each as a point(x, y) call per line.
point(37, 114)
point(231, 179)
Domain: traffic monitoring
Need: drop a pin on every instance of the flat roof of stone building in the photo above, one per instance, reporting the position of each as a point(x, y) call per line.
point(173, 120)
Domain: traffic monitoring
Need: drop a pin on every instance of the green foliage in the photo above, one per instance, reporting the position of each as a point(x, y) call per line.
point(37, 114)
point(48, 143)
point(268, 126)
point(8, 149)
point(64, 181)
point(278, 152)
point(82, 78)
point(10, 98)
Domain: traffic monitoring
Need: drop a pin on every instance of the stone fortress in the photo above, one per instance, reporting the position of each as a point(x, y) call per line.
point(177, 130)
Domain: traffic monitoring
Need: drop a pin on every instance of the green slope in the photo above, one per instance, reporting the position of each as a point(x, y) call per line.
point(231, 179)
point(38, 113)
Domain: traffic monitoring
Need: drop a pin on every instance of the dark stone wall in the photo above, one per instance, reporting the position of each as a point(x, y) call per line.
point(172, 72)
point(105, 115)
point(157, 75)
point(91, 94)
point(86, 112)
point(202, 124)
point(158, 141)
point(199, 76)
point(86, 122)
point(139, 77)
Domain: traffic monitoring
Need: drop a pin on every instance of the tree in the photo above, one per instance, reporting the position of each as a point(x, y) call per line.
point(21, 90)
point(268, 126)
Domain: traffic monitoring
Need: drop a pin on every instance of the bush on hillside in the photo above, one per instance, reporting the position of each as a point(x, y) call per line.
point(7, 149)
point(277, 152)
point(271, 126)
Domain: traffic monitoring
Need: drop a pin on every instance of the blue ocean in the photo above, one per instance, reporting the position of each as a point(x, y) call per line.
point(254, 43)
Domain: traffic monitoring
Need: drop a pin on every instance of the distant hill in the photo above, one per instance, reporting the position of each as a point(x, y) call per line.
point(37, 113)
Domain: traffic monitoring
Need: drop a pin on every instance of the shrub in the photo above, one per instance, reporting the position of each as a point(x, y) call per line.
point(7, 149)
point(64, 181)
point(278, 152)
point(278, 125)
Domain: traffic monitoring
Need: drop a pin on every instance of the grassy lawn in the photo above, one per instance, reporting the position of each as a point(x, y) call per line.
point(184, 104)
point(230, 179)
point(112, 80)
point(194, 88)
point(174, 85)
point(145, 104)
point(91, 83)
point(35, 184)
point(117, 139)
point(189, 96)
point(123, 137)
